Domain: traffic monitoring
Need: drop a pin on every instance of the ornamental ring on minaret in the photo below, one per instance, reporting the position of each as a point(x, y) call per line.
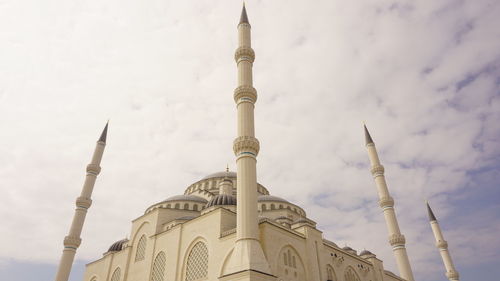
point(397, 240)
point(72, 241)
point(83, 202)
point(93, 169)
point(246, 145)
point(452, 275)
point(385, 202)
point(245, 93)
point(377, 170)
point(244, 53)
point(441, 244)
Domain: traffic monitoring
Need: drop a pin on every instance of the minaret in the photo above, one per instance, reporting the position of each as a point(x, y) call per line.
point(73, 240)
point(247, 257)
point(442, 245)
point(386, 202)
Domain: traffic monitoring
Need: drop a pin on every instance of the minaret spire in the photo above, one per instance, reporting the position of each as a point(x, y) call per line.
point(247, 261)
point(442, 245)
point(432, 217)
point(73, 240)
point(386, 202)
point(244, 16)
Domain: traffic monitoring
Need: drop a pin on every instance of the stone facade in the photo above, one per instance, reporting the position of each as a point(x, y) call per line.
point(180, 239)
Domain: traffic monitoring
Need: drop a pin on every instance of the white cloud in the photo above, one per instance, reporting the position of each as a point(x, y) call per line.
point(164, 73)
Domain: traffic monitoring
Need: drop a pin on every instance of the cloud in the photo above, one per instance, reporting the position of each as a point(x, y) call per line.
point(424, 76)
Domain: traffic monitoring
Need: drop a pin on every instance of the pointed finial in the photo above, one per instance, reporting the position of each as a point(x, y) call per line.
point(227, 168)
point(244, 17)
point(430, 213)
point(104, 133)
point(368, 138)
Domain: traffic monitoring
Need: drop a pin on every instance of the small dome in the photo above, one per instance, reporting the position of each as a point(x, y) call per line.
point(263, 198)
point(347, 248)
point(193, 198)
point(221, 200)
point(117, 246)
point(221, 175)
point(365, 252)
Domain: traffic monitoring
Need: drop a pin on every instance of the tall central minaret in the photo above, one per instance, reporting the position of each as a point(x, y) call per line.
point(247, 257)
point(442, 245)
point(73, 240)
point(386, 202)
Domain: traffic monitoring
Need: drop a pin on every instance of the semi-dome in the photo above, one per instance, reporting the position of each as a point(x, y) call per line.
point(222, 200)
point(193, 198)
point(263, 198)
point(221, 175)
point(117, 246)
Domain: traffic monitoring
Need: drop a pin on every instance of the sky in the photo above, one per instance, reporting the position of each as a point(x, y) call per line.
point(423, 75)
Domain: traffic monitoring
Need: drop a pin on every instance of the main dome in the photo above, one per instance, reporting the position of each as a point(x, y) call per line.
point(228, 174)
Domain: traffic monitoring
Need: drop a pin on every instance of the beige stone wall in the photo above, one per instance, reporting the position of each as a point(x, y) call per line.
point(293, 254)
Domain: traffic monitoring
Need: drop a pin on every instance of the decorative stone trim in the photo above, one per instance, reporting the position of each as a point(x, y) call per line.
point(385, 202)
point(246, 144)
point(452, 275)
point(243, 92)
point(397, 240)
point(93, 169)
point(442, 244)
point(83, 202)
point(244, 53)
point(72, 242)
point(377, 171)
point(338, 261)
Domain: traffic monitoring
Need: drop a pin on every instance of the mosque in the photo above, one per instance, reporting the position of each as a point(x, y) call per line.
point(227, 226)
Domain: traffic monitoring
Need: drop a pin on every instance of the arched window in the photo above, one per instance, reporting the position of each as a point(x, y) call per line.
point(264, 207)
point(195, 207)
point(330, 273)
point(197, 262)
point(158, 267)
point(290, 266)
point(141, 249)
point(273, 207)
point(116, 275)
point(168, 206)
point(350, 275)
point(281, 206)
point(186, 206)
point(177, 206)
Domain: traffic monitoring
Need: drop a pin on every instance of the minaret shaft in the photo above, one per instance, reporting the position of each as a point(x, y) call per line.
point(386, 202)
point(247, 255)
point(442, 245)
point(83, 203)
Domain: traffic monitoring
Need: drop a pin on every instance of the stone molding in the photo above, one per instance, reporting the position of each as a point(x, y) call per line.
point(397, 240)
point(83, 202)
point(452, 275)
point(442, 244)
point(385, 202)
point(377, 170)
point(71, 241)
point(246, 144)
point(245, 92)
point(93, 169)
point(244, 53)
